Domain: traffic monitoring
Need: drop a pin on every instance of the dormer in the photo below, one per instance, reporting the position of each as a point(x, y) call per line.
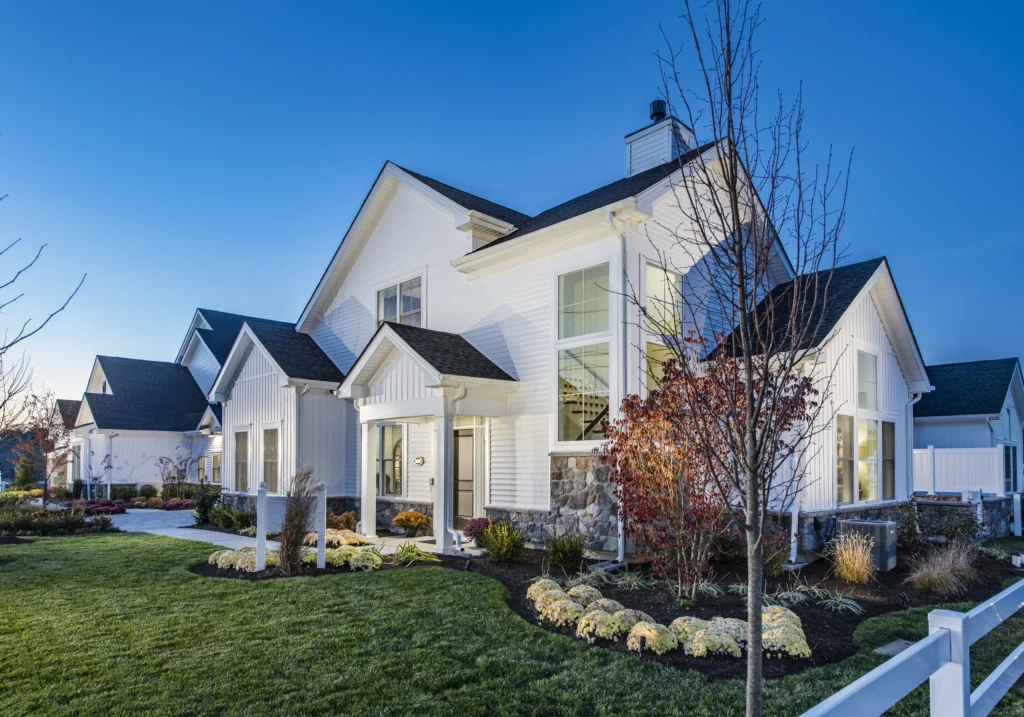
point(98, 380)
point(661, 141)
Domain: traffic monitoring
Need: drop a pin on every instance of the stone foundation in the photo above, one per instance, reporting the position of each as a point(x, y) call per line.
point(581, 502)
point(816, 528)
point(996, 511)
point(388, 509)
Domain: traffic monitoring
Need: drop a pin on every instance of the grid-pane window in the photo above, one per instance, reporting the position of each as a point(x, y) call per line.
point(270, 458)
point(664, 303)
point(242, 461)
point(389, 461)
point(867, 381)
point(410, 293)
point(387, 304)
point(216, 469)
point(867, 459)
point(201, 469)
point(401, 303)
point(583, 302)
point(844, 446)
point(888, 460)
point(655, 356)
point(583, 398)
point(1008, 468)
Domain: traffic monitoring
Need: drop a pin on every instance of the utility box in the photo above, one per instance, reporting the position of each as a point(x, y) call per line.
point(883, 533)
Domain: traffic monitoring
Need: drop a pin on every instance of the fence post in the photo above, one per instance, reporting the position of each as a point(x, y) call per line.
point(931, 466)
point(321, 525)
point(261, 526)
point(950, 686)
point(1016, 514)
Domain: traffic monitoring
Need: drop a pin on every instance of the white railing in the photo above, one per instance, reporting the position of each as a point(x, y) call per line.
point(944, 659)
point(954, 470)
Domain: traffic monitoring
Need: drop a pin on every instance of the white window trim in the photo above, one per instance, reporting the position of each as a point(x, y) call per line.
point(612, 337)
point(250, 489)
point(879, 416)
point(264, 427)
point(397, 282)
point(646, 336)
point(405, 462)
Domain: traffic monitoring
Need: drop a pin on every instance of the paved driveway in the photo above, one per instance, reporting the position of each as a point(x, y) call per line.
point(176, 524)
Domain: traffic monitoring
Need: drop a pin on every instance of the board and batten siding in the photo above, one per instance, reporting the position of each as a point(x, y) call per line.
point(203, 366)
point(257, 401)
point(320, 442)
point(133, 458)
point(214, 447)
point(860, 329)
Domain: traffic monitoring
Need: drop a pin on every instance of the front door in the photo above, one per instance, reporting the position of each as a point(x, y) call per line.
point(462, 493)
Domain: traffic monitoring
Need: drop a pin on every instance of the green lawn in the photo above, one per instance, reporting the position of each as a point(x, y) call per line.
point(116, 625)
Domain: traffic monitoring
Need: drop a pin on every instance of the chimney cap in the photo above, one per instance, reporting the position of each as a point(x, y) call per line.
point(658, 110)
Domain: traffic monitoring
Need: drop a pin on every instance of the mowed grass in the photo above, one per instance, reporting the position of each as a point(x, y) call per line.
point(116, 625)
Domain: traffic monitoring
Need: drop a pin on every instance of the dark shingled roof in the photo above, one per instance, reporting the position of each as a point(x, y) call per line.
point(223, 331)
point(471, 201)
point(68, 409)
point(602, 197)
point(147, 396)
point(297, 354)
point(834, 296)
point(975, 388)
point(215, 410)
point(449, 353)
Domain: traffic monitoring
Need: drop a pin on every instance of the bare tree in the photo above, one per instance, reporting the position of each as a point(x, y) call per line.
point(178, 469)
point(46, 438)
point(744, 325)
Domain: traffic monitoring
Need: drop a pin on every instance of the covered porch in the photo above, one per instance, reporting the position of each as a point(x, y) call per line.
point(424, 400)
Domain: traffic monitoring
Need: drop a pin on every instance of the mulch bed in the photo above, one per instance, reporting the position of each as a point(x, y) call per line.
point(829, 633)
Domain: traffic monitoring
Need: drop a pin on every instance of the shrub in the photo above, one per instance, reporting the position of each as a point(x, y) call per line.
point(908, 536)
point(687, 625)
point(77, 487)
point(566, 551)
point(411, 521)
point(776, 553)
point(547, 597)
point(299, 514)
point(597, 624)
point(503, 543)
point(206, 498)
point(584, 594)
point(658, 638)
point(336, 537)
point(345, 521)
point(26, 476)
point(147, 491)
point(102, 523)
point(730, 547)
point(785, 640)
point(851, 557)
point(366, 559)
point(408, 553)
point(540, 587)
point(155, 502)
point(336, 556)
point(607, 605)
point(630, 618)
point(15, 521)
point(945, 570)
point(185, 504)
point(123, 492)
point(776, 615)
point(61, 493)
point(563, 613)
point(475, 527)
point(710, 641)
point(731, 626)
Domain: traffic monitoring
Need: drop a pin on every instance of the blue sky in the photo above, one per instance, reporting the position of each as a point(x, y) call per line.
point(213, 154)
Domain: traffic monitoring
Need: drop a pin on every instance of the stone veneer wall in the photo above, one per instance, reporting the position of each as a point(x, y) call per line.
point(997, 512)
point(818, 527)
point(581, 502)
point(388, 509)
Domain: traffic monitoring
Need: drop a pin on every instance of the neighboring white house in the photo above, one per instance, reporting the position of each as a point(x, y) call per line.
point(967, 433)
point(477, 350)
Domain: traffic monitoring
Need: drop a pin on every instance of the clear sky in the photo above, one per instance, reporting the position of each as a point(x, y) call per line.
point(213, 154)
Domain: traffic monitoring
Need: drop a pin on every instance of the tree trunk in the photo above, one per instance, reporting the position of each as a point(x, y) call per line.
point(755, 590)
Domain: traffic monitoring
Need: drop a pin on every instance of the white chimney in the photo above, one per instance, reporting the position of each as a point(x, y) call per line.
point(661, 141)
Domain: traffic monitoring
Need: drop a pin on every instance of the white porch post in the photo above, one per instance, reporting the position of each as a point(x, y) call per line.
point(261, 526)
point(321, 525)
point(368, 492)
point(931, 467)
point(444, 431)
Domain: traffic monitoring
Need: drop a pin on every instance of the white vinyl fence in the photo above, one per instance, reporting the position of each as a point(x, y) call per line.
point(944, 659)
point(954, 470)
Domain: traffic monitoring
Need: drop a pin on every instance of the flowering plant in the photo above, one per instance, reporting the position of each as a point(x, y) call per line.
point(599, 624)
point(411, 521)
point(563, 612)
point(584, 594)
point(658, 638)
point(475, 527)
point(540, 587)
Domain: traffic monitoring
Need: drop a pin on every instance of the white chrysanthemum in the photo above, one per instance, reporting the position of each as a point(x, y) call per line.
point(686, 625)
point(549, 597)
point(711, 642)
point(608, 605)
point(599, 624)
point(658, 638)
point(540, 587)
point(630, 618)
point(785, 640)
point(365, 559)
point(733, 627)
point(584, 594)
point(563, 612)
point(777, 615)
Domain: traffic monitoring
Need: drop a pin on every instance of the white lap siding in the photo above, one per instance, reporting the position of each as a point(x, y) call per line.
point(257, 401)
point(203, 366)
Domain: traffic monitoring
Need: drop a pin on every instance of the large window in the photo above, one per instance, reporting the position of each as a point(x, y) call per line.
point(867, 459)
point(844, 441)
point(201, 469)
point(583, 354)
point(271, 450)
point(242, 461)
point(1009, 468)
point(401, 303)
point(888, 460)
point(664, 305)
point(867, 381)
point(389, 460)
point(875, 458)
point(655, 356)
point(216, 469)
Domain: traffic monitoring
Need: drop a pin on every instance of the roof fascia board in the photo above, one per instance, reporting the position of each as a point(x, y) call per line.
point(1017, 390)
point(951, 418)
point(245, 340)
point(188, 334)
point(384, 333)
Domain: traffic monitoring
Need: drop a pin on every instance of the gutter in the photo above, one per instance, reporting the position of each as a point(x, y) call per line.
point(909, 428)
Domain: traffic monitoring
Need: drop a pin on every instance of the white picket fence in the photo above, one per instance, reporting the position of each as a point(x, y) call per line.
point(944, 659)
point(954, 470)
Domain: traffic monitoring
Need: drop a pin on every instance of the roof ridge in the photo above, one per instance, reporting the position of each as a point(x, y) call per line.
point(965, 363)
point(429, 180)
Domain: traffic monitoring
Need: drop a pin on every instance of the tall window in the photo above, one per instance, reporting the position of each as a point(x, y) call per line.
point(216, 468)
point(867, 381)
point(201, 469)
point(242, 461)
point(583, 363)
point(664, 303)
point(270, 458)
point(867, 459)
point(655, 357)
point(888, 460)
point(844, 440)
point(389, 461)
point(1009, 468)
point(401, 303)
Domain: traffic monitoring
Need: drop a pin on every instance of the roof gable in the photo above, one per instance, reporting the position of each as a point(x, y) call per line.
point(68, 410)
point(972, 388)
point(146, 396)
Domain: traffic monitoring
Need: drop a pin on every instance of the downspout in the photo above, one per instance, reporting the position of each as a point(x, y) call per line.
point(456, 535)
point(298, 432)
point(620, 556)
point(914, 398)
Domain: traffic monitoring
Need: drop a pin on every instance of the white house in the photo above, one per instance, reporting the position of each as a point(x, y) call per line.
point(477, 350)
point(967, 433)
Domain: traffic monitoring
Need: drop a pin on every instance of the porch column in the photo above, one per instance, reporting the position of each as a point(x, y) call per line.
point(368, 480)
point(444, 431)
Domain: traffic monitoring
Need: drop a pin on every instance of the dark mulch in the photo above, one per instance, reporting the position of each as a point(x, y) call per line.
point(13, 540)
point(829, 634)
